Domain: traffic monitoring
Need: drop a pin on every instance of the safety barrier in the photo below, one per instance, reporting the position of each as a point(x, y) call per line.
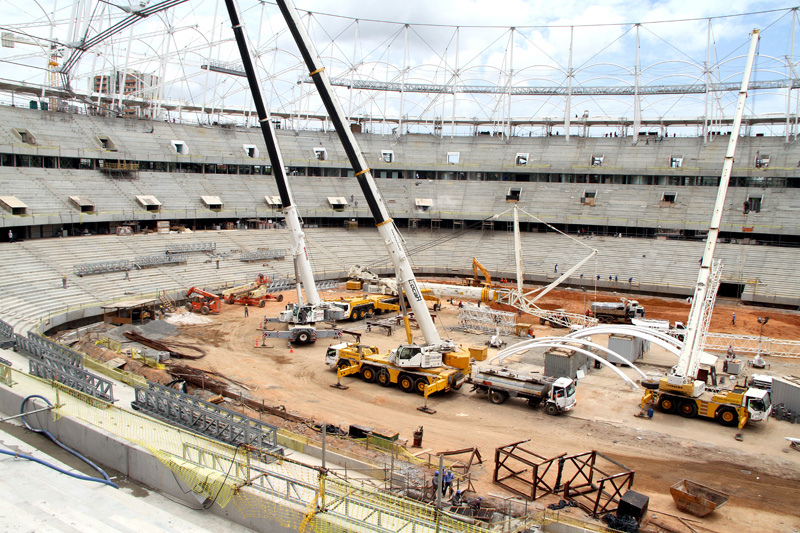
point(103, 267)
point(73, 377)
point(205, 418)
point(261, 255)
point(189, 248)
point(6, 330)
point(144, 261)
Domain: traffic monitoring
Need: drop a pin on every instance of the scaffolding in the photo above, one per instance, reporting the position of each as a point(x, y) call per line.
point(487, 320)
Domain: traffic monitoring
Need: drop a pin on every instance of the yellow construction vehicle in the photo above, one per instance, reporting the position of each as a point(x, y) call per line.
point(476, 282)
point(358, 307)
point(729, 408)
point(408, 367)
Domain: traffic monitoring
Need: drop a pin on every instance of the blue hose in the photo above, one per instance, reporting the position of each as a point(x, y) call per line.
point(104, 480)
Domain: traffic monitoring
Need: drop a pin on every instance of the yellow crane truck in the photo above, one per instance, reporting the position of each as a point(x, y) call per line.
point(410, 367)
point(728, 407)
point(358, 307)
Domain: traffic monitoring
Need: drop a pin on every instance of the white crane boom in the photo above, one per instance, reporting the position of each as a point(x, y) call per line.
point(302, 263)
point(383, 221)
point(685, 371)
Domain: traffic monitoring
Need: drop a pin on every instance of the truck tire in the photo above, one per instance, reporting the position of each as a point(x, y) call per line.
point(667, 404)
point(279, 298)
point(687, 409)
point(551, 409)
point(383, 378)
point(368, 374)
point(262, 303)
point(534, 402)
point(204, 309)
point(456, 380)
point(542, 321)
point(727, 416)
point(229, 300)
point(420, 384)
point(497, 397)
point(370, 311)
point(405, 383)
point(342, 363)
point(188, 307)
point(302, 337)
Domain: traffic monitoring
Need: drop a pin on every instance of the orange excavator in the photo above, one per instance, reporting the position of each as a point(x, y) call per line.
point(198, 300)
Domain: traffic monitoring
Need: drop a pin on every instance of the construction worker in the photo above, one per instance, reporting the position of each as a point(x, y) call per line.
point(246, 311)
point(447, 483)
point(64, 281)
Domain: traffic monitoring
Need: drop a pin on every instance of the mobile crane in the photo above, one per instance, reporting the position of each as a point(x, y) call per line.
point(435, 354)
point(302, 317)
point(680, 391)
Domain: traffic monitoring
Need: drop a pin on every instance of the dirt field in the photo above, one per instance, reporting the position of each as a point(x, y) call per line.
point(760, 472)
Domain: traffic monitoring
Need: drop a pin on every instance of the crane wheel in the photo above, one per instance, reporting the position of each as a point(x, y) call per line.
point(727, 416)
point(383, 378)
point(342, 363)
point(262, 303)
point(368, 374)
point(280, 298)
point(456, 381)
point(542, 321)
point(497, 397)
point(667, 404)
point(204, 309)
point(188, 306)
point(551, 409)
point(302, 337)
point(687, 409)
point(406, 383)
point(420, 385)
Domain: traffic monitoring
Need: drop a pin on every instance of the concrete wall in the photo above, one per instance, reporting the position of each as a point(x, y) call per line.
point(137, 463)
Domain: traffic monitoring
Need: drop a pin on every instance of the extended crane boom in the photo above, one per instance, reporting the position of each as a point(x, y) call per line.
point(377, 206)
point(315, 309)
point(685, 371)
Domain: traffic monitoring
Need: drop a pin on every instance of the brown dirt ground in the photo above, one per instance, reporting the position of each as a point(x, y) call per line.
point(760, 473)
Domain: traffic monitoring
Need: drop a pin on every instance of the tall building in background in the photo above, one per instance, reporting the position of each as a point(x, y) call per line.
point(138, 85)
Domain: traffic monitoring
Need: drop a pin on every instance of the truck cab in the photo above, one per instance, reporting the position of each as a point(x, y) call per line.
point(308, 314)
point(758, 403)
point(415, 356)
point(564, 394)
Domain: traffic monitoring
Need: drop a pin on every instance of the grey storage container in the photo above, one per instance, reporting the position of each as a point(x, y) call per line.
point(786, 393)
point(629, 347)
point(564, 363)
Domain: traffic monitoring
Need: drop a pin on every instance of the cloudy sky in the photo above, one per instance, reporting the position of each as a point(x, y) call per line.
point(446, 42)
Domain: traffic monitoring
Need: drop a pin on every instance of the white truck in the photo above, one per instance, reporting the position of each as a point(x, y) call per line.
point(500, 383)
point(622, 311)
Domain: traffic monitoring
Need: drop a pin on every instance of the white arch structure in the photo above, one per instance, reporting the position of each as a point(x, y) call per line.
point(669, 343)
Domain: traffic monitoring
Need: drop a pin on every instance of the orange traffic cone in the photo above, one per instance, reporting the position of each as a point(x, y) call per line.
point(291, 349)
point(256, 345)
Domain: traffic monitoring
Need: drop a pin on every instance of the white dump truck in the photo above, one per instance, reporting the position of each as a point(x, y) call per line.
point(500, 383)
